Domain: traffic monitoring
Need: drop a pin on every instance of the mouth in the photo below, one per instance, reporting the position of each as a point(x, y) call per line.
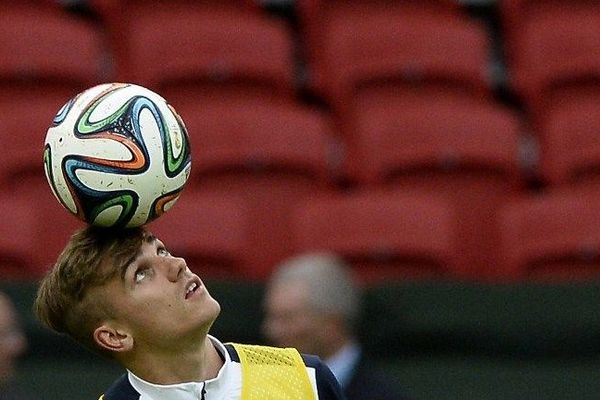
point(192, 287)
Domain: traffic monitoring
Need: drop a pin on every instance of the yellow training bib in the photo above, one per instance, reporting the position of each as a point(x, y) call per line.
point(270, 373)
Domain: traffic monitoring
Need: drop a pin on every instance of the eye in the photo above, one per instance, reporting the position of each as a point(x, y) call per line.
point(140, 274)
point(161, 251)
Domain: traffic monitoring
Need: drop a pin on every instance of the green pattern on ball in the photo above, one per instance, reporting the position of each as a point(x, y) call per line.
point(126, 201)
point(85, 127)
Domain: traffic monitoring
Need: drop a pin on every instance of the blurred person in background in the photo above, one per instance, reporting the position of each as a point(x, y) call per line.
point(312, 304)
point(12, 345)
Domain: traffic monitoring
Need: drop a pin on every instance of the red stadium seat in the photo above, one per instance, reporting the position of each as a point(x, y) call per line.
point(384, 236)
point(34, 230)
point(17, 239)
point(210, 231)
point(550, 44)
point(24, 124)
point(553, 237)
point(570, 143)
point(54, 224)
point(215, 46)
point(351, 44)
point(466, 152)
point(47, 56)
point(44, 49)
point(272, 155)
point(316, 15)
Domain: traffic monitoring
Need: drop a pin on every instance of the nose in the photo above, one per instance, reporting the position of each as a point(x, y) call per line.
point(176, 266)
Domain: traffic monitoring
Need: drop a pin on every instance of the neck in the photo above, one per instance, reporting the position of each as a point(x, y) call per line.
point(194, 364)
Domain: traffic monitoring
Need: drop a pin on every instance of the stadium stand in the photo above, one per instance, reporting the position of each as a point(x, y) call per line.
point(271, 155)
point(522, 325)
point(465, 151)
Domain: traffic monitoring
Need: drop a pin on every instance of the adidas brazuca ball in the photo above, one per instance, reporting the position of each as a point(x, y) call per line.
point(117, 155)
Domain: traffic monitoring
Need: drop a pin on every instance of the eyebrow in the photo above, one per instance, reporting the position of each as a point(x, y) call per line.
point(149, 238)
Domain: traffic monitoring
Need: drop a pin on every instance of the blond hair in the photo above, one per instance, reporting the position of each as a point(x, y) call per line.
point(92, 257)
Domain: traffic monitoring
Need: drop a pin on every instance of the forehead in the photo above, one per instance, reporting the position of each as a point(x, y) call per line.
point(146, 244)
point(288, 295)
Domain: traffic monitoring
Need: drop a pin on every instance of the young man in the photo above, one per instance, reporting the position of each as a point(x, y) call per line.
point(121, 293)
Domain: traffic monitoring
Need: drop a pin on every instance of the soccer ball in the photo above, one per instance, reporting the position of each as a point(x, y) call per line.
point(117, 155)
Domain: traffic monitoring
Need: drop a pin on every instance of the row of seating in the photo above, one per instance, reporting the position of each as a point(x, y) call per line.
point(217, 65)
point(386, 235)
point(352, 49)
point(393, 141)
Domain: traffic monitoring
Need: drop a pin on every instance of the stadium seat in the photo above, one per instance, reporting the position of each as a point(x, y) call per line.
point(210, 231)
point(215, 46)
point(24, 124)
point(385, 236)
point(316, 15)
point(270, 154)
point(466, 152)
point(357, 43)
point(34, 230)
point(17, 239)
point(551, 237)
point(570, 144)
point(550, 44)
point(44, 49)
point(54, 225)
point(47, 56)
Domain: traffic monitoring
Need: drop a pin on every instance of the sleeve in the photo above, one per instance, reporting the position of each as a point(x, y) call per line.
point(327, 386)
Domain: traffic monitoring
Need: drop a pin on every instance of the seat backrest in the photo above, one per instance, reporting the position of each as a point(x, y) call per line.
point(551, 237)
point(315, 17)
point(24, 124)
point(569, 140)
point(552, 44)
point(210, 231)
point(186, 42)
point(384, 236)
point(46, 44)
point(17, 238)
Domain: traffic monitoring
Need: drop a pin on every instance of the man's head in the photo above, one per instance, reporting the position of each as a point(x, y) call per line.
point(311, 303)
point(12, 339)
point(120, 291)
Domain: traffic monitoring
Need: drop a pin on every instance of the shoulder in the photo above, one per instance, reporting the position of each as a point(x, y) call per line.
point(121, 389)
point(327, 386)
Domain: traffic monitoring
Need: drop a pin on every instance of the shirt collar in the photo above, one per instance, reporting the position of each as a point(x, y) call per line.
point(343, 362)
point(214, 388)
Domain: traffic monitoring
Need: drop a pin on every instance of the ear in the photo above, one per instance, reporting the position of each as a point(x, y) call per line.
point(113, 339)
